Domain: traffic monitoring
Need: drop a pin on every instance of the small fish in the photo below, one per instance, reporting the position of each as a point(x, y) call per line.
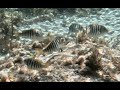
point(75, 27)
point(33, 64)
point(54, 45)
point(30, 34)
point(96, 30)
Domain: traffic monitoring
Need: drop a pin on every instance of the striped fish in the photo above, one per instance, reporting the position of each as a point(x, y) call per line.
point(30, 34)
point(33, 64)
point(75, 27)
point(54, 45)
point(96, 30)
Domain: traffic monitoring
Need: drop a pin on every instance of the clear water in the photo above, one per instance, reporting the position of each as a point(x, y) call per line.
point(110, 18)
